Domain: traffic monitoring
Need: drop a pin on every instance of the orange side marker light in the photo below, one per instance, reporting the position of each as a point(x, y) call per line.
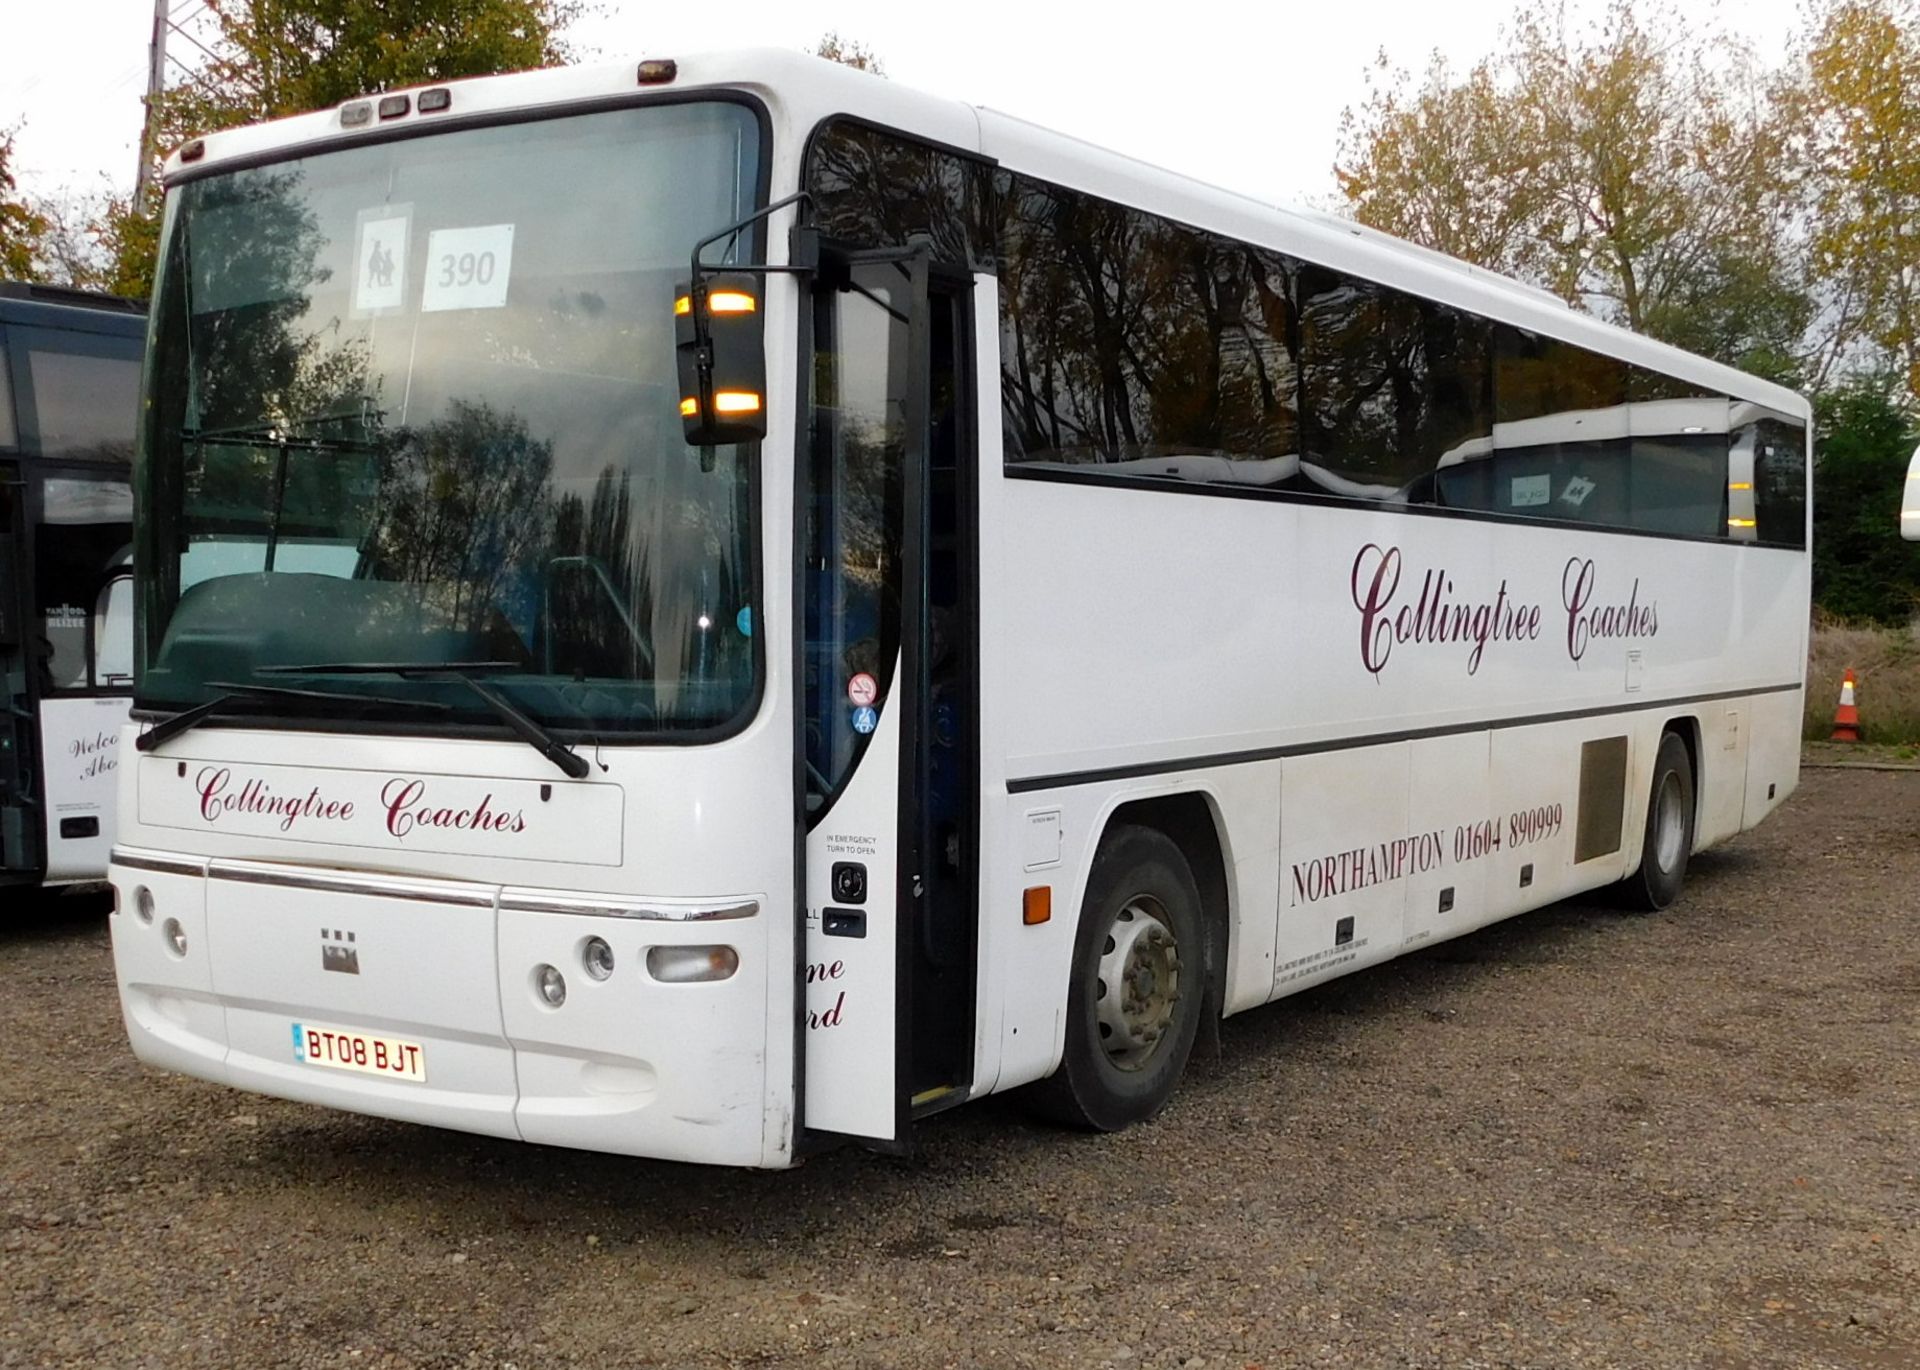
point(1036, 905)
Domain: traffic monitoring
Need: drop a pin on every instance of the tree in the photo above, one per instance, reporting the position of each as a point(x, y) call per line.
point(1636, 175)
point(849, 52)
point(1863, 434)
point(1860, 106)
point(271, 58)
point(21, 226)
point(1445, 165)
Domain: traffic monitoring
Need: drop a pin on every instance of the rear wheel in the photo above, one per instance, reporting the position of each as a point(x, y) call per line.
point(1137, 988)
point(1669, 835)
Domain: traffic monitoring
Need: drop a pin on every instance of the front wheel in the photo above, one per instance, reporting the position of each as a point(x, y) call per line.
point(1669, 836)
point(1137, 989)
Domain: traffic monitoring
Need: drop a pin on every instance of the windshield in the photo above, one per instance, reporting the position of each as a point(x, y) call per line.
point(415, 402)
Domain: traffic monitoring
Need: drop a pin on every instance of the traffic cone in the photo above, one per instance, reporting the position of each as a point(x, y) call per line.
point(1846, 718)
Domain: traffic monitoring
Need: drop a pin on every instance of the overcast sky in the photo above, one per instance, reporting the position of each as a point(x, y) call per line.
point(1245, 95)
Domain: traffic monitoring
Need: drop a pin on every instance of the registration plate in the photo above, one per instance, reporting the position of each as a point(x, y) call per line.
point(366, 1052)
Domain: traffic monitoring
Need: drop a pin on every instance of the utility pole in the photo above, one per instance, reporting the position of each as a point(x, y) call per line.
point(156, 82)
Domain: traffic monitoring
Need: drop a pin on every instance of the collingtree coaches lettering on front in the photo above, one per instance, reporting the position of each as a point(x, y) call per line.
point(1432, 617)
point(404, 801)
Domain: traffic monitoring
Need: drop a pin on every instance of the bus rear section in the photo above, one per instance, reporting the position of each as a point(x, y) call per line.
point(69, 399)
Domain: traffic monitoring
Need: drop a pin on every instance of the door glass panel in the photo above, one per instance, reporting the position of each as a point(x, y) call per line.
point(84, 535)
point(852, 518)
point(113, 634)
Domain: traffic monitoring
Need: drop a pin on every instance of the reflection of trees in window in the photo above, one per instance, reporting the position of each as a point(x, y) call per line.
point(463, 508)
point(1537, 376)
point(1125, 336)
point(649, 588)
point(247, 268)
point(872, 189)
point(1395, 385)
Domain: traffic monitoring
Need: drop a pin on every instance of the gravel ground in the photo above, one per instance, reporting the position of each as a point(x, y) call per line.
point(1579, 1139)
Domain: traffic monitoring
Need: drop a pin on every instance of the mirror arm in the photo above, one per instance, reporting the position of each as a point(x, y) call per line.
point(803, 238)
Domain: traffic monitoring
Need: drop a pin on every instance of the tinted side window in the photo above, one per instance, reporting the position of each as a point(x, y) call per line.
point(85, 407)
point(1140, 346)
point(1559, 442)
point(872, 189)
point(1397, 389)
point(9, 434)
point(1780, 482)
point(1677, 468)
point(1366, 385)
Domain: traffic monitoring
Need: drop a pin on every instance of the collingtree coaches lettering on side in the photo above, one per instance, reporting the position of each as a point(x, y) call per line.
point(1431, 618)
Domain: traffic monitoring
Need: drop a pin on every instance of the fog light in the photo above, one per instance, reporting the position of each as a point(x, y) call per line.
point(686, 965)
point(597, 956)
point(176, 936)
point(551, 984)
point(143, 903)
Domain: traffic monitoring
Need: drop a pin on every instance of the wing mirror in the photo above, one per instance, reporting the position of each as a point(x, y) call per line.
point(720, 347)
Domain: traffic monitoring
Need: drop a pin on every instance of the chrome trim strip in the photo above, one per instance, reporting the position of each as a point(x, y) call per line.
point(438, 892)
point(527, 901)
point(165, 865)
point(394, 887)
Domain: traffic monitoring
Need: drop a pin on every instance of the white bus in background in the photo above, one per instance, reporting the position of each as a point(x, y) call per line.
point(1008, 606)
point(1910, 501)
point(69, 399)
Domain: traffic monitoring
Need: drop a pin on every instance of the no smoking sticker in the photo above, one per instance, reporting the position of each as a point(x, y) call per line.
point(862, 690)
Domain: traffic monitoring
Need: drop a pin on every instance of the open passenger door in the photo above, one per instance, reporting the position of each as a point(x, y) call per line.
point(884, 852)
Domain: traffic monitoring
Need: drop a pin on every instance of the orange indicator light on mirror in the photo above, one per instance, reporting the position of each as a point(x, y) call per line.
point(731, 402)
point(719, 302)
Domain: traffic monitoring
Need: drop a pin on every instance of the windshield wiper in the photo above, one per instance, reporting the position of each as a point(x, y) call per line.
point(528, 731)
point(231, 690)
point(292, 433)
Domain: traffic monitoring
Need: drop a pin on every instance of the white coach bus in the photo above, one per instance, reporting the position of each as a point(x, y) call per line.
point(1005, 607)
point(69, 401)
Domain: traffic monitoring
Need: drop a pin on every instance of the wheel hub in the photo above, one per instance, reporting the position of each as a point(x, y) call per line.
point(1138, 983)
point(1670, 823)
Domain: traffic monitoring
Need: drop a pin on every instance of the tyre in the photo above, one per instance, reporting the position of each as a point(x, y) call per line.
point(1669, 837)
point(1137, 990)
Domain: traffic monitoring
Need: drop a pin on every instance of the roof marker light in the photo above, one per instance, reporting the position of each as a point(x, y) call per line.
point(433, 101)
point(393, 106)
point(658, 72)
point(358, 113)
point(194, 151)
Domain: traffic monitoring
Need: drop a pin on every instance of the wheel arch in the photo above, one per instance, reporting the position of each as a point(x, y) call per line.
point(1687, 728)
point(1191, 821)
